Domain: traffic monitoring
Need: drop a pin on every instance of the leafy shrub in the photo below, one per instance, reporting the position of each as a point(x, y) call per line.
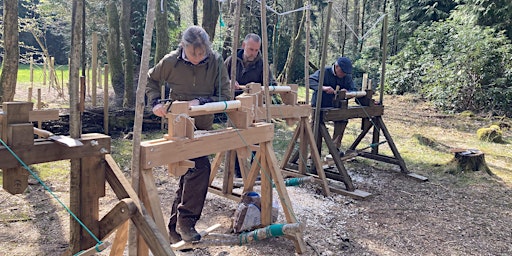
point(456, 65)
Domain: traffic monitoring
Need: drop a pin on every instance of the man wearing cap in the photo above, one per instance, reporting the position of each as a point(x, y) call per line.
point(339, 74)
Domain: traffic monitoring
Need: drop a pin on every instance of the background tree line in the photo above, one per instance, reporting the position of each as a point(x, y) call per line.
point(456, 53)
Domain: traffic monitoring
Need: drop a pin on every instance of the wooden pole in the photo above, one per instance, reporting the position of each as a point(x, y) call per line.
point(29, 98)
point(100, 83)
point(94, 67)
point(139, 110)
point(264, 51)
point(229, 165)
point(31, 73)
point(162, 96)
point(39, 106)
point(306, 53)
point(236, 35)
point(44, 72)
point(88, 79)
point(384, 53)
point(75, 124)
point(105, 101)
point(322, 71)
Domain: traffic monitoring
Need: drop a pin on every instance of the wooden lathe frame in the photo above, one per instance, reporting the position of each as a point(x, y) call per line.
point(96, 168)
point(183, 143)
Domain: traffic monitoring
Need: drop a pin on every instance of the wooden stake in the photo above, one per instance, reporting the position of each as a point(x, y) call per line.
point(105, 101)
point(94, 62)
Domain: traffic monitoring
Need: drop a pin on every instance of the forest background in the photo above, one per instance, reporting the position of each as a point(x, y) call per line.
point(455, 53)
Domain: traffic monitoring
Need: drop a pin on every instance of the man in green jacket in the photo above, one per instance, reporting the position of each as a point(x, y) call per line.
point(194, 73)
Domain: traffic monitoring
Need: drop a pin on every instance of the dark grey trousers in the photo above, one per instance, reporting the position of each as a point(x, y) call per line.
point(191, 194)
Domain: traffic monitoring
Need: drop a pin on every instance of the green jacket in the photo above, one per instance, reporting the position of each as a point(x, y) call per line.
point(206, 80)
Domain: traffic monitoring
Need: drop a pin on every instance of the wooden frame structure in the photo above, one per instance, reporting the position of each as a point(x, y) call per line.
point(292, 112)
point(96, 168)
point(371, 117)
point(183, 143)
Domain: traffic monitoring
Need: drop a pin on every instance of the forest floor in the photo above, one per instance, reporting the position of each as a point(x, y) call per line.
point(467, 213)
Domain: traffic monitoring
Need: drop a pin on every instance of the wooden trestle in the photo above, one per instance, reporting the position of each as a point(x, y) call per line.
point(96, 168)
point(183, 143)
point(371, 117)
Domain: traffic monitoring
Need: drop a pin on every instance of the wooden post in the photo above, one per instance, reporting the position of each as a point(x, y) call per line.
point(139, 110)
point(94, 62)
point(264, 51)
point(384, 53)
point(52, 71)
point(100, 83)
point(88, 79)
point(306, 53)
point(105, 101)
point(39, 106)
point(29, 98)
point(44, 72)
point(322, 71)
point(162, 96)
point(364, 86)
point(14, 132)
point(31, 73)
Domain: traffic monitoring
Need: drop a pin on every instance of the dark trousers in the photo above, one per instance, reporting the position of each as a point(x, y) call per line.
point(191, 194)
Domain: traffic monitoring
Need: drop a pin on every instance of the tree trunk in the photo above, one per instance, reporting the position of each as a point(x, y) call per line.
point(361, 27)
point(228, 40)
point(162, 32)
point(210, 16)
point(396, 28)
point(194, 13)
point(74, 120)
point(114, 55)
point(356, 20)
point(298, 23)
point(128, 99)
point(344, 29)
point(9, 75)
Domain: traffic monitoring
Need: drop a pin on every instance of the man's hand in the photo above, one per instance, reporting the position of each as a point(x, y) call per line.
point(194, 102)
point(328, 89)
point(159, 110)
point(236, 86)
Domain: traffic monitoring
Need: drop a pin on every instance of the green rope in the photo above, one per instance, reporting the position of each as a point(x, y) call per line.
point(50, 191)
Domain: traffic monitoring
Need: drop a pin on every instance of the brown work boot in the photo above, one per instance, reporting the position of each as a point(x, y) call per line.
point(174, 236)
point(188, 233)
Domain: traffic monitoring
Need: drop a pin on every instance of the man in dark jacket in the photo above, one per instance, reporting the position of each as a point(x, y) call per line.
point(249, 64)
point(339, 74)
point(249, 69)
point(195, 73)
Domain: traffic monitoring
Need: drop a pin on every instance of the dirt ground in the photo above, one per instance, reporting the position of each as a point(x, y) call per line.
point(466, 214)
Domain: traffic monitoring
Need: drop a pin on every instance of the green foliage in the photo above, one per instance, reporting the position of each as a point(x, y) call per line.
point(457, 65)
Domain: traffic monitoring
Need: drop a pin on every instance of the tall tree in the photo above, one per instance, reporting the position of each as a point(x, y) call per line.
point(298, 23)
point(114, 55)
point(162, 31)
point(210, 16)
point(128, 99)
point(495, 13)
point(194, 13)
point(356, 20)
point(11, 48)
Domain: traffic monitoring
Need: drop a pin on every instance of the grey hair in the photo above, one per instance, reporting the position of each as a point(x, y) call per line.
point(197, 37)
point(252, 36)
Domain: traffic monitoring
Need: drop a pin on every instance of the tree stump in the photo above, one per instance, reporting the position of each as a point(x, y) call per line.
point(470, 160)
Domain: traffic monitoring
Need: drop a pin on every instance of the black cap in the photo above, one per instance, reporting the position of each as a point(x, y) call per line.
point(345, 64)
